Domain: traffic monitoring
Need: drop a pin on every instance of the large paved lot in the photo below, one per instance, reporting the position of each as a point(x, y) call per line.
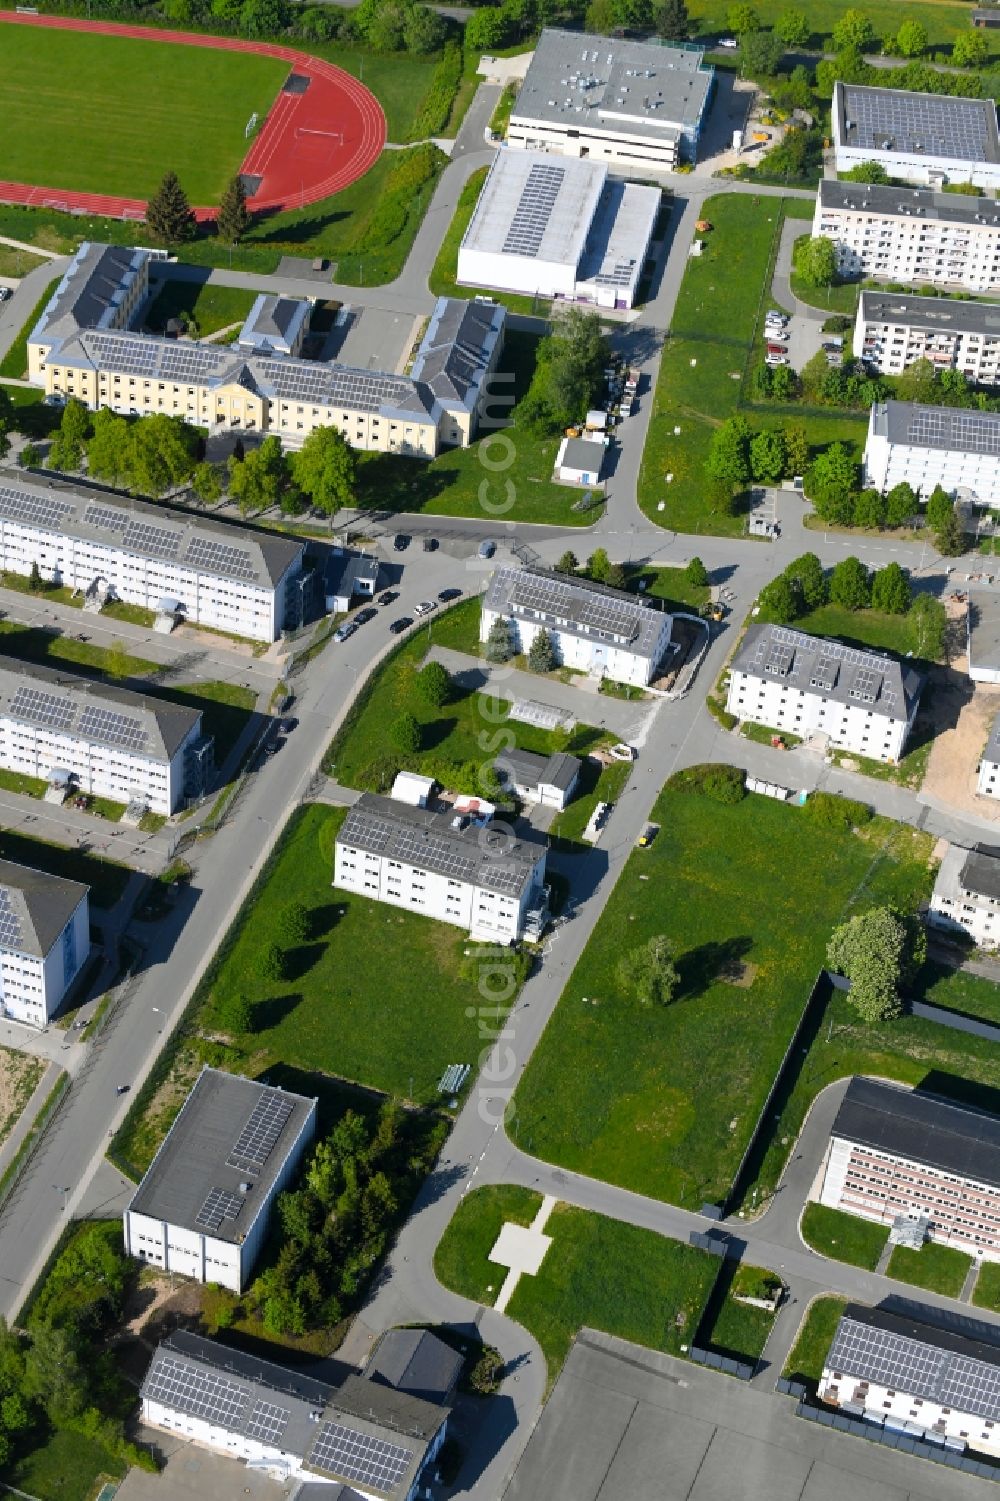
point(623, 1421)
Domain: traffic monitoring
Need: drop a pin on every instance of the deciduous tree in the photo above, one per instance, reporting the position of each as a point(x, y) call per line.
point(649, 972)
point(326, 469)
point(870, 951)
point(849, 585)
point(405, 734)
point(911, 39)
point(767, 456)
point(891, 590)
point(434, 684)
point(792, 26)
point(816, 261)
point(853, 31)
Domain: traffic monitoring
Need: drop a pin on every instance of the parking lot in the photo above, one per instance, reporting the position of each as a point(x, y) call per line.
point(801, 337)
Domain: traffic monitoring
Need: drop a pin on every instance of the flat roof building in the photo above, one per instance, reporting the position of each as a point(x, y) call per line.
point(983, 629)
point(601, 631)
point(893, 330)
point(275, 325)
point(914, 1378)
point(580, 461)
point(44, 941)
point(558, 229)
point(637, 106)
point(921, 138)
point(203, 1206)
point(927, 446)
point(966, 895)
point(548, 780)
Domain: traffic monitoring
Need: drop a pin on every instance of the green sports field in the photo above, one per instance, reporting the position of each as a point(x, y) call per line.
point(105, 114)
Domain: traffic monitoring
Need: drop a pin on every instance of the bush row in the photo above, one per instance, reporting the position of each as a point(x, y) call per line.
point(432, 116)
point(413, 171)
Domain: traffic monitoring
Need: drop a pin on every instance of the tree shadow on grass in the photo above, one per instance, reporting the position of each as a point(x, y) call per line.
point(435, 733)
point(300, 960)
point(711, 962)
point(323, 920)
point(272, 1011)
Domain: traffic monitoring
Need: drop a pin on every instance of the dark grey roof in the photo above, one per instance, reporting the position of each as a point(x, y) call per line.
point(345, 570)
point(946, 315)
point(846, 674)
point(273, 323)
point(34, 908)
point(981, 871)
point(983, 624)
point(400, 1410)
point(579, 607)
point(417, 1362)
point(251, 1368)
point(531, 770)
point(878, 198)
point(90, 291)
point(418, 836)
point(903, 1354)
point(584, 454)
point(951, 1138)
point(205, 1149)
point(456, 350)
point(992, 751)
point(896, 120)
point(216, 549)
point(953, 429)
point(98, 713)
point(278, 314)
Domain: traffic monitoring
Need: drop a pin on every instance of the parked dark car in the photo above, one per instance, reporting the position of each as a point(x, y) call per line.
point(286, 726)
point(400, 542)
point(363, 616)
point(401, 624)
point(387, 597)
point(445, 594)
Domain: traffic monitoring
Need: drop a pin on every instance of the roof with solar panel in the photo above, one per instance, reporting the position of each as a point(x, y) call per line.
point(931, 125)
point(429, 840)
point(34, 908)
point(219, 1160)
point(849, 675)
point(455, 352)
point(577, 607)
point(536, 205)
point(91, 292)
point(905, 1355)
point(148, 531)
point(955, 429)
point(98, 713)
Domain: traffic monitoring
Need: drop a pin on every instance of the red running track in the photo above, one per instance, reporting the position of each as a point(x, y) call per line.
point(310, 145)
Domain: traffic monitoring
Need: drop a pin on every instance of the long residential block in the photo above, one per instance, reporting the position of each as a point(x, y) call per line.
point(103, 287)
point(966, 895)
point(210, 572)
point(929, 139)
point(204, 1204)
point(911, 234)
point(925, 446)
point(893, 330)
point(862, 701)
point(44, 941)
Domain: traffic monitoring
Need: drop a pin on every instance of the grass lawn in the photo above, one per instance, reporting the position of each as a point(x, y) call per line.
point(106, 878)
point(845, 1237)
point(940, 1269)
point(736, 1329)
point(19, 1075)
point(18, 781)
point(840, 298)
point(942, 22)
point(14, 262)
point(460, 483)
point(987, 1290)
point(461, 1260)
point(63, 1466)
point(444, 273)
point(104, 93)
point(895, 633)
point(662, 1100)
point(15, 362)
point(815, 1336)
point(671, 585)
point(958, 990)
point(209, 306)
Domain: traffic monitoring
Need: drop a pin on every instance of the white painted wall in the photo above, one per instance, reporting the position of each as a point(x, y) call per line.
point(911, 248)
point(852, 727)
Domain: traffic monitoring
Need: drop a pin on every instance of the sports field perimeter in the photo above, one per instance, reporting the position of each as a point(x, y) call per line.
point(108, 114)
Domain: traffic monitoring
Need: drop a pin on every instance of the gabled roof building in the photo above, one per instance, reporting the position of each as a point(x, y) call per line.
point(44, 941)
point(103, 287)
point(549, 780)
point(275, 325)
point(966, 895)
point(988, 778)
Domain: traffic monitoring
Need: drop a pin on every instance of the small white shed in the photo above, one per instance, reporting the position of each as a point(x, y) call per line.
point(409, 787)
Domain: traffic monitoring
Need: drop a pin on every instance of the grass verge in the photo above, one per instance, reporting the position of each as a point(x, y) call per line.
point(15, 362)
point(808, 1354)
point(940, 1269)
point(844, 1237)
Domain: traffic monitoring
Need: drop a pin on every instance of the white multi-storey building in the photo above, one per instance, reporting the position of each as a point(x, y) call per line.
point(920, 138)
point(966, 895)
point(910, 234)
point(443, 864)
point(638, 107)
point(902, 1158)
point(109, 546)
point(892, 331)
point(103, 288)
point(102, 740)
point(44, 941)
point(862, 701)
point(988, 777)
point(204, 1205)
point(925, 446)
point(364, 1438)
point(603, 632)
point(914, 1378)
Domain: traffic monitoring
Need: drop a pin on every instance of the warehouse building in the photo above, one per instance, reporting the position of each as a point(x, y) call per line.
point(966, 895)
point(112, 547)
point(638, 107)
point(102, 740)
point(911, 234)
point(204, 1205)
point(862, 701)
point(893, 330)
point(361, 1438)
point(928, 139)
point(915, 1379)
point(44, 941)
point(988, 777)
point(455, 866)
point(916, 1163)
point(103, 288)
point(927, 446)
point(603, 632)
point(561, 229)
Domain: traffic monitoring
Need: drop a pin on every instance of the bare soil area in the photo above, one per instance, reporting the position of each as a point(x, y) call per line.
point(962, 713)
point(19, 1076)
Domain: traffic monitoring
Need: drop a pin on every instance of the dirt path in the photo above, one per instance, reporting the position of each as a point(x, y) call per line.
point(965, 722)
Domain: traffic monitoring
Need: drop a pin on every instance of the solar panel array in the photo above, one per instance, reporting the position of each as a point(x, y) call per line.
point(219, 557)
point(51, 710)
point(259, 1136)
point(106, 518)
point(337, 385)
point(220, 1204)
point(267, 1422)
point(531, 218)
point(154, 541)
point(910, 1365)
point(36, 510)
point(11, 935)
point(201, 1392)
point(152, 358)
point(887, 120)
point(347, 1452)
point(590, 610)
point(112, 728)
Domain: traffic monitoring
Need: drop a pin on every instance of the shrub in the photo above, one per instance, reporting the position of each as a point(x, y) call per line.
point(724, 784)
point(833, 812)
point(414, 169)
point(432, 116)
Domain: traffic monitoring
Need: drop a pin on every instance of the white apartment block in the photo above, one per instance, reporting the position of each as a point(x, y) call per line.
point(911, 234)
point(603, 632)
point(913, 1378)
point(444, 864)
point(988, 776)
point(44, 941)
point(926, 446)
point(109, 546)
point(103, 740)
point(204, 1205)
point(861, 701)
point(901, 1158)
point(982, 622)
point(892, 331)
point(365, 1438)
point(928, 139)
point(966, 895)
point(637, 107)
point(103, 288)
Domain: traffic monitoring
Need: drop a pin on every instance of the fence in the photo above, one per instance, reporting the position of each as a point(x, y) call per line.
point(724, 1363)
point(723, 1247)
point(905, 1442)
